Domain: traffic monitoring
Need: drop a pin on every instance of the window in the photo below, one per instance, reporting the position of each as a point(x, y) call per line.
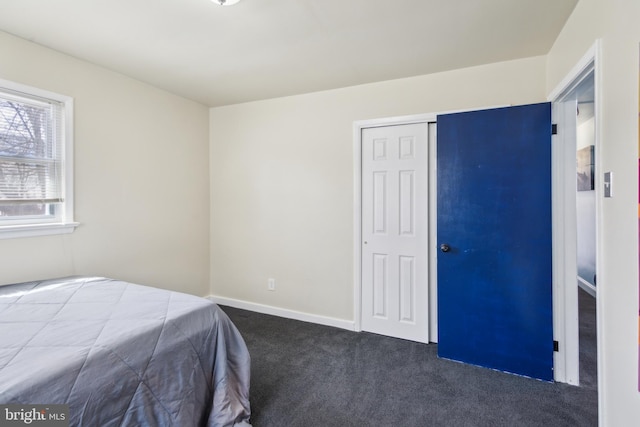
point(36, 148)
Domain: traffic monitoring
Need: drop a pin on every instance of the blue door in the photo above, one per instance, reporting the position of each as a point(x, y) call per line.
point(494, 233)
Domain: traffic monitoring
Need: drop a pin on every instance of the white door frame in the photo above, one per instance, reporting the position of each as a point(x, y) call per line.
point(358, 126)
point(565, 306)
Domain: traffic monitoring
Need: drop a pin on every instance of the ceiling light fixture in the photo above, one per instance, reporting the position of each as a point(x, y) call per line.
point(226, 2)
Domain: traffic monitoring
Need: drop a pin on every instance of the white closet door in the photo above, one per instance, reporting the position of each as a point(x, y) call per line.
point(395, 231)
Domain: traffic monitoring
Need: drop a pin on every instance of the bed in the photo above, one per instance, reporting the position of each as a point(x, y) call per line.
point(121, 354)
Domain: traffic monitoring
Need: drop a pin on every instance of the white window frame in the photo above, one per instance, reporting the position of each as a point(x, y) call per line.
point(62, 222)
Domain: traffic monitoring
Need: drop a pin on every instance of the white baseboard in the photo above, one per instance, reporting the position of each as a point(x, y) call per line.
point(282, 312)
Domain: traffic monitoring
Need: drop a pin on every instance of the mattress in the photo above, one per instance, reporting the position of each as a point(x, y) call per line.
point(121, 354)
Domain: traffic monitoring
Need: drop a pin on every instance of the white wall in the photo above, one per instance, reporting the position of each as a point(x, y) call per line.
point(141, 178)
point(616, 23)
point(586, 210)
point(282, 180)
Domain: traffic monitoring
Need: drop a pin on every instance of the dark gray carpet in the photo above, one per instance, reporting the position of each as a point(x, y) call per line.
point(588, 342)
point(310, 375)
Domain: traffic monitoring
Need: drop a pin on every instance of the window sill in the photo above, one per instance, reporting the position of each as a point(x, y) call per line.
point(34, 230)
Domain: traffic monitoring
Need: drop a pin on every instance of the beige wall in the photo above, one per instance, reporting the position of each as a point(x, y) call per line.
point(141, 178)
point(616, 23)
point(282, 180)
point(585, 25)
point(281, 197)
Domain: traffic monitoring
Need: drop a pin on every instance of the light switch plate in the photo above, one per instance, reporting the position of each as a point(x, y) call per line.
point(608, 183)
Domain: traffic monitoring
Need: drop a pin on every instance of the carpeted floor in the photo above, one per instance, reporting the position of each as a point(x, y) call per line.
point(310, 375)
point(588, 342)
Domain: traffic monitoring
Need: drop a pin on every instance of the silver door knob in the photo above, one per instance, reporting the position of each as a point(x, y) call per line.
point(444, 247)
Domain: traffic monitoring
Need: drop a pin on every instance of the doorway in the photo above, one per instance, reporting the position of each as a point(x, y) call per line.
point(582, 99)
point(577, 195)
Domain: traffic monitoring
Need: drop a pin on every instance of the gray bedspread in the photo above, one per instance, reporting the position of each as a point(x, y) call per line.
point(121, 354)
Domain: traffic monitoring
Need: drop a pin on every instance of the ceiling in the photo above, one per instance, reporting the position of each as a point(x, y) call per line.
point(261, 49)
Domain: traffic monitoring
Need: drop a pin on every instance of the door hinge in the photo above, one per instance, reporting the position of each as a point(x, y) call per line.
point(554, 129)
point(555, 346)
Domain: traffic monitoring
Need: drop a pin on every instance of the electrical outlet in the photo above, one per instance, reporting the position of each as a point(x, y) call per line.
point(271, 284)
